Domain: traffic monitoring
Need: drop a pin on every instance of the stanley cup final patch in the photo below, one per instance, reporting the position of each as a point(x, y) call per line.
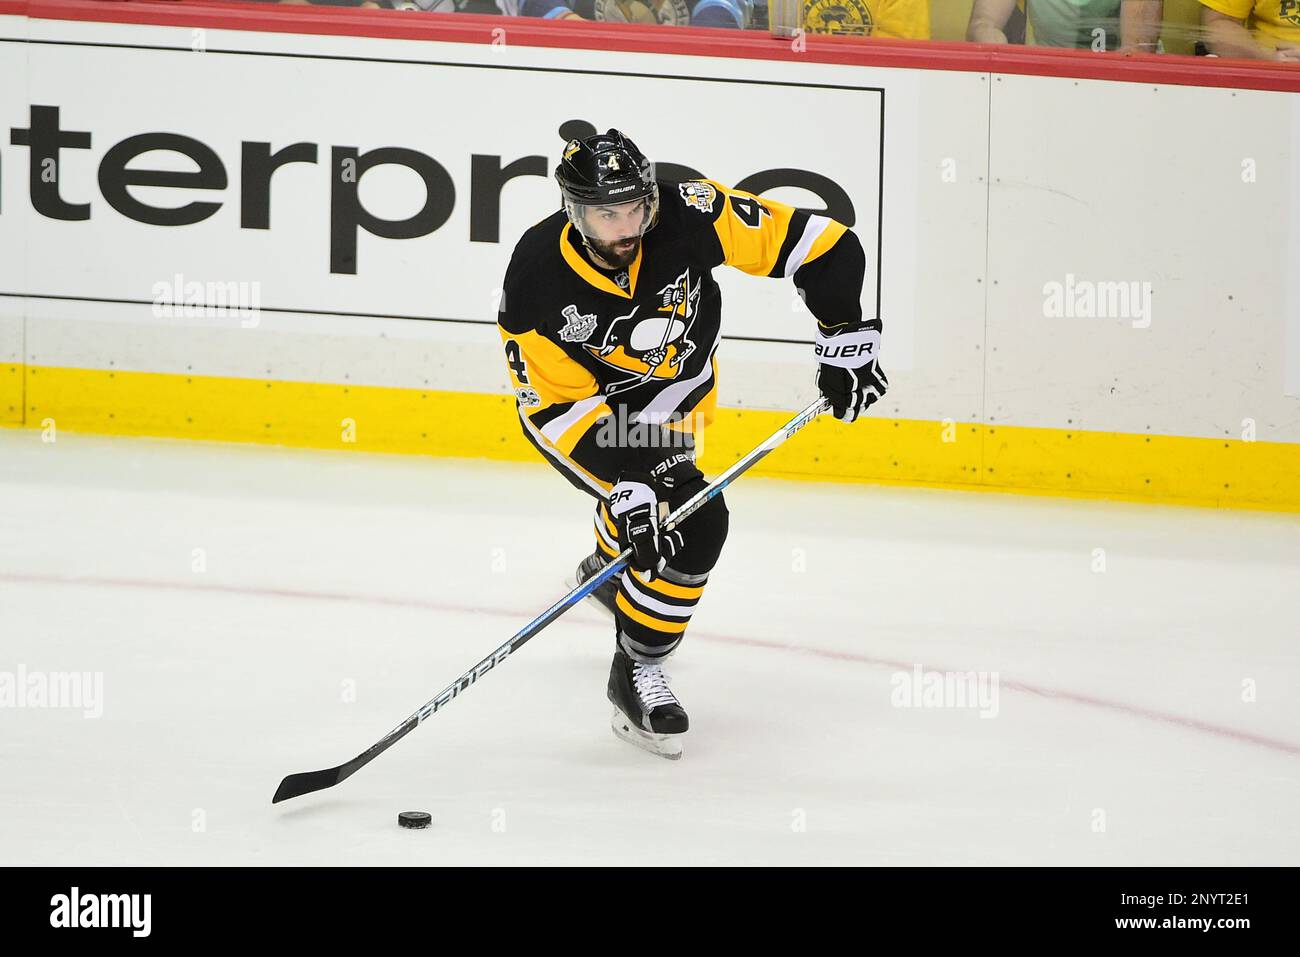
point(577, 328)
point(698, 195)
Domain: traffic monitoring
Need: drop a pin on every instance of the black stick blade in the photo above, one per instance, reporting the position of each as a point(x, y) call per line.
point(296, 785)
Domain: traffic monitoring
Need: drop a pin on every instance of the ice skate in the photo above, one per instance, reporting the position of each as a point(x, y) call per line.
point(646, 713)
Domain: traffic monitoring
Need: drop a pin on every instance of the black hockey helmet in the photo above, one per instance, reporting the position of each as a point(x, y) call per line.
point(605, 170)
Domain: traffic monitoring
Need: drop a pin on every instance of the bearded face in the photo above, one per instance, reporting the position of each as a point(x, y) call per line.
point(614, 232)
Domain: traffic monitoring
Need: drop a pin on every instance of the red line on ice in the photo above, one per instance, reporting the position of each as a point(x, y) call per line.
point(1053, 693)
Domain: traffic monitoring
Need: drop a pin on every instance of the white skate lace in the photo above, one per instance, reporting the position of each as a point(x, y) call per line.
point(652, 685)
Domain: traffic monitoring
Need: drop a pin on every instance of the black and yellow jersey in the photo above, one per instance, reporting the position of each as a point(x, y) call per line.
point(588, 347)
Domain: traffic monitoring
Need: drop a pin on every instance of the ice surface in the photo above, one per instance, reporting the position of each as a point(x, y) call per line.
point(332, 594)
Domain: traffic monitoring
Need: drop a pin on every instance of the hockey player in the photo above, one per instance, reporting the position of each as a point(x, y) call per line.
point(610, 319)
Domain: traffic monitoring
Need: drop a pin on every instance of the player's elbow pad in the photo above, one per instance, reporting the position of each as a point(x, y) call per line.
point(831, 285)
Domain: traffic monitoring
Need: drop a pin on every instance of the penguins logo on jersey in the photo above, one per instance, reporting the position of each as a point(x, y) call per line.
point(652, 346)
point(698, 195)
point(1289, 10)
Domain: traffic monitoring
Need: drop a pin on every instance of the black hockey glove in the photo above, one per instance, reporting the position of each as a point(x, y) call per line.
point(639, 504)
point(848, 370)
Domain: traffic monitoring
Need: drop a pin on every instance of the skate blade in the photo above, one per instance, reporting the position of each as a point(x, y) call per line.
point(571, 582)
point(665, 745)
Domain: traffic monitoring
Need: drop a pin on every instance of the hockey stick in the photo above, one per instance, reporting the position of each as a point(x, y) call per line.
point(298, 784)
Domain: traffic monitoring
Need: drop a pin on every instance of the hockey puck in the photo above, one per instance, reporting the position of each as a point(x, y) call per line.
point(415, 819)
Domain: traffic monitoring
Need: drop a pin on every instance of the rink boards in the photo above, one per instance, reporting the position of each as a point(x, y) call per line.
point(1085, 282)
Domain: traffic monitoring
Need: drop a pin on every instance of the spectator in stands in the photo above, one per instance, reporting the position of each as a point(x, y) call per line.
point(360, 4)
point(676, 13)
point(1276, 28)
point(545, 9)
point(1129, 26)
point(905, 19)
point(548, 9)
point(729, 14)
